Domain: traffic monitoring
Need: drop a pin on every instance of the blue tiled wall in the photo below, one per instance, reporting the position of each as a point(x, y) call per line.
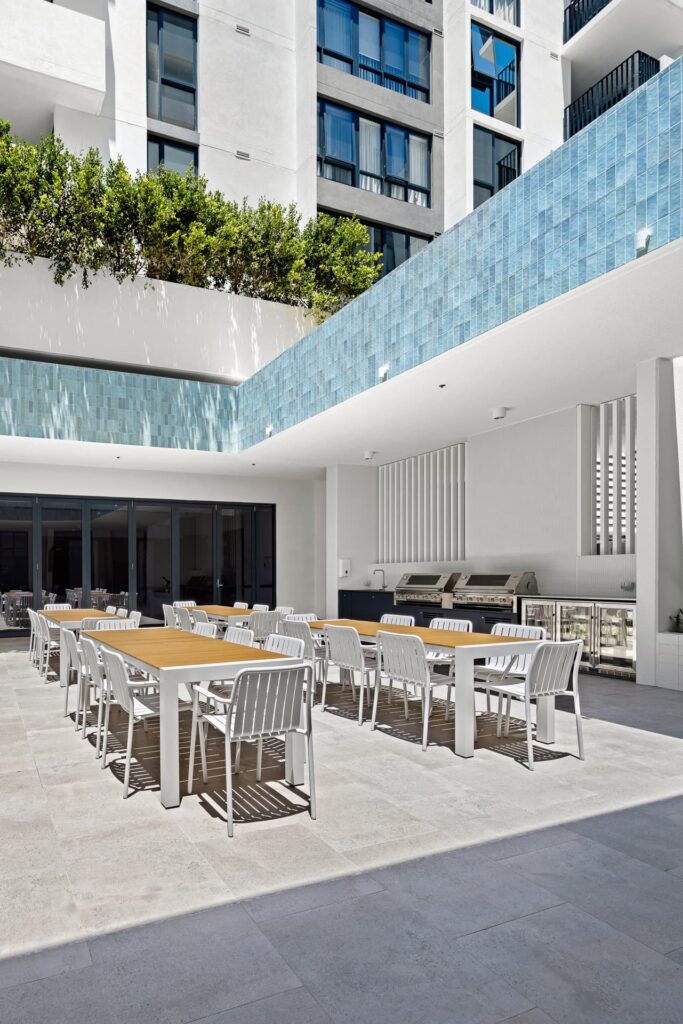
point(85, 404)
point(568, 220)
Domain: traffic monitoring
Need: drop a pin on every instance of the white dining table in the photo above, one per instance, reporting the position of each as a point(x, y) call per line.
point(70, 619)
point(464, 649)
point(174, 658)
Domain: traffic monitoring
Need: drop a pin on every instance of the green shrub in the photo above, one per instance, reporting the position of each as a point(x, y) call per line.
point(86, 218)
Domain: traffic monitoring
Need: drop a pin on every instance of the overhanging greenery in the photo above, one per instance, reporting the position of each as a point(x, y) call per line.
point(88, 217)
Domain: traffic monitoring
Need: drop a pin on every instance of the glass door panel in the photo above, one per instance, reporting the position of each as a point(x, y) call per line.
point(616, 638)
point(236, 537)
point(265, 556)
point(109, 554)
point(16, 536)
point(195, 539)
point(540, 613)
point(62, 552)
point(576, 623)
point(153, 555)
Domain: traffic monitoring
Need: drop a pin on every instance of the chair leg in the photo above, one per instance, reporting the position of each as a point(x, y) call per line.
point(488, 701)
point(362, 695)
point(325, 673)
point(426, 704)
point(100, 715)
point(129, 754)
point(508, 712)
point(106, 732)
point(238, 754)
point(449, 690)
point(228, 780)
point(529, 737)
point(579, 723)
point(202, 749)
point(259, 758)
point(193, 739)
point(391, 689)
point(375, 702)
point(311, 777)
point(499, 720)
point(405, 701)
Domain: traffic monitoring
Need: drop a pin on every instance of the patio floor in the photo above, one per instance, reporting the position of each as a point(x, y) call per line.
point(430, 889)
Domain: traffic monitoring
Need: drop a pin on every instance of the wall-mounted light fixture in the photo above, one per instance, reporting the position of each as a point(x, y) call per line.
point(383, 373)
point(269, 431)
point(643, 238)
point(499, 413)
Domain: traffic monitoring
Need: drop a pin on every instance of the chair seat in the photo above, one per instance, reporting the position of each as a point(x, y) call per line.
point(145, 707)
point(490, 676)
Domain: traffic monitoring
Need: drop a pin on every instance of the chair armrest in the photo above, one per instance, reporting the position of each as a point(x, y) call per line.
point(203, 691)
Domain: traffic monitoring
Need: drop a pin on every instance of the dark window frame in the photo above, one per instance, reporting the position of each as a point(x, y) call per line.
point(404, 85)
point(479, 182)
point(480, 76)
point(386, 179)
point(162, 142)
point(165, 79)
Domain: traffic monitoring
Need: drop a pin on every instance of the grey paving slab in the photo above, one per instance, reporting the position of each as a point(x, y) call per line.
point(580, 970)
point(374, 960)
point(310, 897)
point(44, 963)
point(640, 900)
point(651, 832)
point(293, 1007)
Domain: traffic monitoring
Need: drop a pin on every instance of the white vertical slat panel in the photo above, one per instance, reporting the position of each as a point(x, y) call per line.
point(616, 447)
point(380, 515)
point(461, 506)
point(413, 513)
point(433, 490)
point(630, 475)
point(604, 442)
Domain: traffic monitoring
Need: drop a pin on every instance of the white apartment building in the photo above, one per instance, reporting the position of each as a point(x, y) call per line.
point(409, 113)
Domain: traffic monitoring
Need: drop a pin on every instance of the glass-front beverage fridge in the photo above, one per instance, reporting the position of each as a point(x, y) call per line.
point(607, 628)
point(616, 639)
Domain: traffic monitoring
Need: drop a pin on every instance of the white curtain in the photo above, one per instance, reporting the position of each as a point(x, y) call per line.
point(418, 160)
point(370, 148)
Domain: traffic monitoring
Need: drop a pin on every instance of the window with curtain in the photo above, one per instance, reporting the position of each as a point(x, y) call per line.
point(377, 49)
point(496, 163)
point(388, 159)
point(394, 246)
point(171, 67)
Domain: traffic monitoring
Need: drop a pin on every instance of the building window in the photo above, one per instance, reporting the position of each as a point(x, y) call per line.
point(394, 246)
point(377, 49)
point(506, 10)
point(496, 164)
point(377, 157)
point(175, 156)
point(171, 67)
point(495, 75)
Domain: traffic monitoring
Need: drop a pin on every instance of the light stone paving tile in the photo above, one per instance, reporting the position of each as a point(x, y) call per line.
point(29, 846)
point(54, 747)
point(640, 900)
point(581, 970)
point(374, 961)
point(38, 910)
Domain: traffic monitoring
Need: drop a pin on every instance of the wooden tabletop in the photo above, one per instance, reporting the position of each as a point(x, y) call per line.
point(77, 615)
point(430, 637)
point(165, 647)
point(222, 611)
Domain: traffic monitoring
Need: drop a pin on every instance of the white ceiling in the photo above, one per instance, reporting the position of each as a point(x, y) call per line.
point(582, 347)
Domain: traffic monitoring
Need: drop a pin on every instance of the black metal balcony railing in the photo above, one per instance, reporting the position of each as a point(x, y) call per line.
point(507, 169)
point(579, 13)
point(610, 90)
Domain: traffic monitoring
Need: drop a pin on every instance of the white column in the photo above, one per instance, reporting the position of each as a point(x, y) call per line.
point(659, 544)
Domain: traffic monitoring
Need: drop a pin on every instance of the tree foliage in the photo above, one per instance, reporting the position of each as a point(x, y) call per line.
point(86, 217)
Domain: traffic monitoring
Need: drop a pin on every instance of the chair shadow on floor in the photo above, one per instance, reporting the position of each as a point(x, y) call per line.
point(391, 720)
point(253, 801)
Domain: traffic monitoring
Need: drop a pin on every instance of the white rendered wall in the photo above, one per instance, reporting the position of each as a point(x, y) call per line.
point(299, 551)
point(152, 324)
point(352, 511)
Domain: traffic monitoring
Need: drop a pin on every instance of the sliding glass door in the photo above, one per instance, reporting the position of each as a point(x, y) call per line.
point(93, 552)
point(16, 562)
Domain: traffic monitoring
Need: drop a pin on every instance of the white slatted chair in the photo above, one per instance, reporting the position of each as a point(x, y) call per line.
point(240, 604)
point(553, 670)
point(404, 660)
point(286, 646)
point(122, 613)
point(114, 624)
point(95, 670)
point(33, 639)
point(494, 669)
point(389, 619)
point(136, 617)
point(314, 653)
point(184, 604)
point(48, 644)
point(169, 615)
point(110, 609)
point(74, 666)
point(261, 608)
point(303, 617)
point(441, 657)
point(263, 703)
point(207, 629)
point(283, 610)
point(63, 607)
point(344, 649)
point(199, 615)
point(183, 618)
point(239, 635)
point(137, 707)
point(263, 624)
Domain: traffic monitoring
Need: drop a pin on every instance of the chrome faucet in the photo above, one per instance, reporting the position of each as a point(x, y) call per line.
point(384, 582)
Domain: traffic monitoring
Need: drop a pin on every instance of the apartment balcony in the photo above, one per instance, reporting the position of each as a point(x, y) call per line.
point(601, 34)
point(49, 56)
point(610, 90)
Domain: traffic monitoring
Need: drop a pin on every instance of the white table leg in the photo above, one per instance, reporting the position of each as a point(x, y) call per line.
point(295, 757)
point(545, 719)
point(464, 703)
point(63, 659)
point(168, 743)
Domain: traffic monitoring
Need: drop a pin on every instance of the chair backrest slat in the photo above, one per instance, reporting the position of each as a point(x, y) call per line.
point(344, 647)
point(391, 619)
point(239, 635)
point(403, 657)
